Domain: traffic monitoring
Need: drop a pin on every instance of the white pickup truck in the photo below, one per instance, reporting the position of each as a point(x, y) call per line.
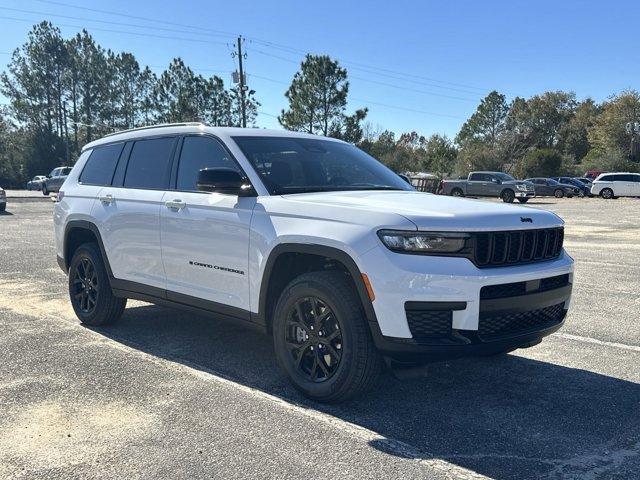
point(339, 260)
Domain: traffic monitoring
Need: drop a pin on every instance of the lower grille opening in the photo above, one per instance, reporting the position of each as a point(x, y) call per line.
point(493, 325)
point(427, 325)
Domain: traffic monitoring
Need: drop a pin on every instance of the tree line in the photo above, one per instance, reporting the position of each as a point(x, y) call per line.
point(64, 93)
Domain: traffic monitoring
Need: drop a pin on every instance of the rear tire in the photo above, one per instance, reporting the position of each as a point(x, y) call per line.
point(606, 193)
point(558, 193)
point(89, 289)
point(45, 192)
point(523, 200)
point(322, 339)
point(508, 196)
point(3, 207)
point(456, 192)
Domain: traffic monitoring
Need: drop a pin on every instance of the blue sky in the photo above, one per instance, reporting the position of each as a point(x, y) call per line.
point(419, 65)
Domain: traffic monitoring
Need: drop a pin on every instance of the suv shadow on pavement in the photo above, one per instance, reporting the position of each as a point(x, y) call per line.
point(503, 417)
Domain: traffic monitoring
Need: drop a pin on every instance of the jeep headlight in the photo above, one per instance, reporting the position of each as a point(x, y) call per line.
point(521, 187)
point(423, 242)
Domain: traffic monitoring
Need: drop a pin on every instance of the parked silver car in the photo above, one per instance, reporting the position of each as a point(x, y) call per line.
point(36, 182)
point(55, 180)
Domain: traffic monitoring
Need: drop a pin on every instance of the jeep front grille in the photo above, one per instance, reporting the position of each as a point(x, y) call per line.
point(496, 249)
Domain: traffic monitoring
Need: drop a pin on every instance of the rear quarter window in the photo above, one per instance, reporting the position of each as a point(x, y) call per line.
point(101, 164)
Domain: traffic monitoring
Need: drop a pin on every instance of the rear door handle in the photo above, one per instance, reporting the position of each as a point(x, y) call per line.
point(108, 199)
point(175, 204)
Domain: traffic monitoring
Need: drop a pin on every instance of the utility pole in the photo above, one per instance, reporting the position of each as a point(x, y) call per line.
point(241, 82)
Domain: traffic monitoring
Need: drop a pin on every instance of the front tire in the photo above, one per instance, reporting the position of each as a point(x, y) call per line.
point(558, 193)
point(523, 200)
point(45, 192)
point(606, 193)
point(322, 339)
point(508, 196)
point(89, 289)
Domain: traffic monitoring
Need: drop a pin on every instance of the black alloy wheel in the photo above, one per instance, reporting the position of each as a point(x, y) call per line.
point(314, 339)
point(85, 286)
point(91, 295)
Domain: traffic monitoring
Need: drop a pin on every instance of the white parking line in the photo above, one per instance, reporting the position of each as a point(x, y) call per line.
point(578, 338)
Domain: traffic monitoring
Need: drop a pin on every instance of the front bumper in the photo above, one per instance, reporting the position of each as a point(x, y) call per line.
point(454, 284)
point(525, 194)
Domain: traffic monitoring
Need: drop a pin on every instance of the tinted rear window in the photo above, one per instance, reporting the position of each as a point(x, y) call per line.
point(149, 164)
point(101, 165)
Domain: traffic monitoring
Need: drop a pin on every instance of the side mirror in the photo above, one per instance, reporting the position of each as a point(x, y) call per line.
point(405, 178)
point(223, 180)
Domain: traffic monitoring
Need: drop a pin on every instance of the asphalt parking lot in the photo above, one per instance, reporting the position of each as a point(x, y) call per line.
point(164, 394)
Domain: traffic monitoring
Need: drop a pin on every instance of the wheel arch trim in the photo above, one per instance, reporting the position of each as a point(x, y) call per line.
point(332, 253)
point(89, 226)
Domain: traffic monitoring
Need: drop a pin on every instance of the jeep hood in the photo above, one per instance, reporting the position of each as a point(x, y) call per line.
point(432, 212)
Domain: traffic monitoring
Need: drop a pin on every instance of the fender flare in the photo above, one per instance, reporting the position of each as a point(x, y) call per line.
point(92, 227)
point(314, 249)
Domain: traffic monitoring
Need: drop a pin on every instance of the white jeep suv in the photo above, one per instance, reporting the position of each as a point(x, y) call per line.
point(314, 241)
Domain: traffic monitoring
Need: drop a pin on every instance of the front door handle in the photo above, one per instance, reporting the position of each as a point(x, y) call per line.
point(175, 204)
point(107, 199)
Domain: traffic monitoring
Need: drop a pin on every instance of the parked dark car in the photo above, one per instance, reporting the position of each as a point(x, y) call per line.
point(583, 189)
point(55, 180)
point(587, 181)
point(3, 200)
point(547, 187)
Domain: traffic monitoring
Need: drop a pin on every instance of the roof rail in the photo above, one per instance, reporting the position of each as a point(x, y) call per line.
point(162, 125)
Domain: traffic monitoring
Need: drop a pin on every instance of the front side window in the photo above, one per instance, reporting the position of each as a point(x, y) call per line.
point(198, 153)
point(297, 165)
point(148, 166)
point(101, 164)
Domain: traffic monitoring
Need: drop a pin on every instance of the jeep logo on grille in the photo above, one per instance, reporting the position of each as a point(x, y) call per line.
point(526, 219)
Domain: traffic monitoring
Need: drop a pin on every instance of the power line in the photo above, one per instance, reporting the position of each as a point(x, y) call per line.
point(84, 19)
point(371, 102)
point(362, 66)
point(136, 17)
point(370, 67)
point(297, 62)
point(121, 32)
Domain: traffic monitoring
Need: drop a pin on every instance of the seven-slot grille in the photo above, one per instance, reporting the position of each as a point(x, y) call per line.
point(494, 249)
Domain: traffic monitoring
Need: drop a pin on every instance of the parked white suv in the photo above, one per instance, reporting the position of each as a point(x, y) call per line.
point(314, 241)
point(613, 185)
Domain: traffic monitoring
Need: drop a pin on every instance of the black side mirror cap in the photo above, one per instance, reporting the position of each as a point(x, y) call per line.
point(405, 178)
point(224, 180)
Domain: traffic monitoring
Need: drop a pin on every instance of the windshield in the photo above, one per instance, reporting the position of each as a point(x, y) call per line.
point(505, 177)
point(297, 165)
